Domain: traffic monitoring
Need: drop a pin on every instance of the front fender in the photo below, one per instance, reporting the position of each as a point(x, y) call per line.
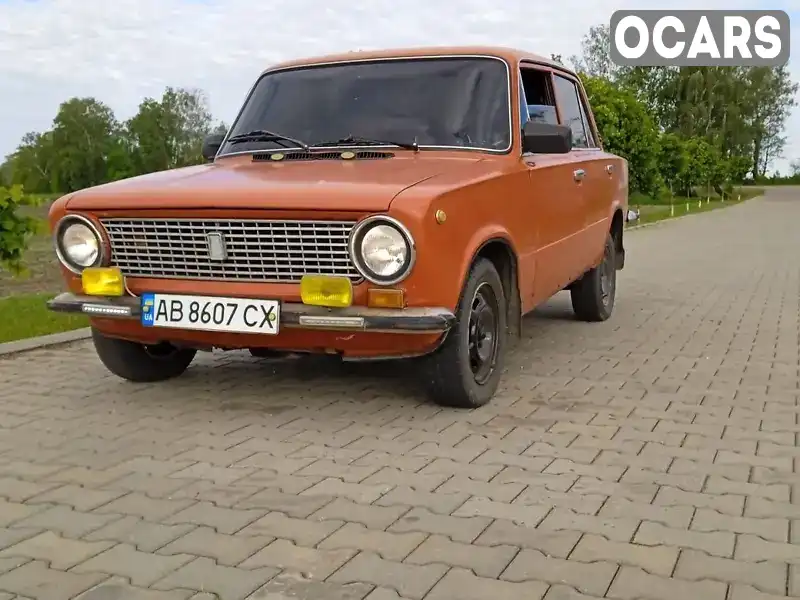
point(468, 216)
point(480, 239)
point(445, 253)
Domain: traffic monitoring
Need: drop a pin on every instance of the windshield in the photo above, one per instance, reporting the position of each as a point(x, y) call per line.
point(455, 102)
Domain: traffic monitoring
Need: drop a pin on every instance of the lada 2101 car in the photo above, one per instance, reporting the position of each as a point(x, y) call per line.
point(408, 203)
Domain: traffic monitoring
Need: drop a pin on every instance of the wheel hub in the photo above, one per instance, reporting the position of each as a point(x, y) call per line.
point(606, 277)
point(482, 339)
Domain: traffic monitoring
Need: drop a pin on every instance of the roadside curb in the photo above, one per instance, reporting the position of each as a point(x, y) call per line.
point(44, 341)
point(661, 221)
point(690, 214)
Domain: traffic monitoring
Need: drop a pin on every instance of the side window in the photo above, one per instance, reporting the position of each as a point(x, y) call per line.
point(524, 115)
point(537, 94)
point(587, 124)
point(572, 111)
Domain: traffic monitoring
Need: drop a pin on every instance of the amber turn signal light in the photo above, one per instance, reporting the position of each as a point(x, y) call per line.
point(321, 290)
point(385, 298)
point(103, 281)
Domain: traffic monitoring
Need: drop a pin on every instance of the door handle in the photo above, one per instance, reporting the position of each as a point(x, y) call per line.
point(609, 169)
point(579, 174)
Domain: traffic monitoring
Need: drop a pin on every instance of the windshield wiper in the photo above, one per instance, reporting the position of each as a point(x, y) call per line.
point(262, 135)
point(352, 140)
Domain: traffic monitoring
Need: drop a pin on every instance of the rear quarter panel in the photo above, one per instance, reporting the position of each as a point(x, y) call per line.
point(612, 195)
point(607, 193)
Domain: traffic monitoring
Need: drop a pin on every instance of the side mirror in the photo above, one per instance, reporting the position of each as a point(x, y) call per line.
point(546, 138)
point(211, 145)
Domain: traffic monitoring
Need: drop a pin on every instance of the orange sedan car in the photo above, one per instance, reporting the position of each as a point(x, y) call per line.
point(407, 203)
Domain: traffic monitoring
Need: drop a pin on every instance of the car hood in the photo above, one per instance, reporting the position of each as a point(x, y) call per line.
point(358, 185)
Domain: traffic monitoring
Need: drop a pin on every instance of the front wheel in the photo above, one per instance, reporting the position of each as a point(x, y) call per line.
point(593, 294)
point(139, 362)
point(465, 372)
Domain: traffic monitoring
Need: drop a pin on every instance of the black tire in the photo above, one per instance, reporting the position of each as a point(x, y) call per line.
point(457, 375)
point(593, 294)
point(140, 363)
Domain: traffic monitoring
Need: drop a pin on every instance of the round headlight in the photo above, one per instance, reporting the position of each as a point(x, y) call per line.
point(78, 244)
point(382, 250)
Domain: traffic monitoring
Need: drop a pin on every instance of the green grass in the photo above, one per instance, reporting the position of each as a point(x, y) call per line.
point(26, 316)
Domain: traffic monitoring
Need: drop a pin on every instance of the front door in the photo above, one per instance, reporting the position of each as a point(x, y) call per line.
point(557, 190)
point(556, 193)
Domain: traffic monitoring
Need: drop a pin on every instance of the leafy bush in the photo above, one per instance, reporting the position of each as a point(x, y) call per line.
point(15, 228)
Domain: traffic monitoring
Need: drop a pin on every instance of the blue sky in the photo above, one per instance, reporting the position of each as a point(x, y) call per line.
point(121, 51)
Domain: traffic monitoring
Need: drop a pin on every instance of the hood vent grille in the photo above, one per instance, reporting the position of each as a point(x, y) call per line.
point(346, 155)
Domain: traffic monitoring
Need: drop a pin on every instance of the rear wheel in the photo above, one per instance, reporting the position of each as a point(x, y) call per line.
point(593, 294)
point(139, 362)
point(465, 372)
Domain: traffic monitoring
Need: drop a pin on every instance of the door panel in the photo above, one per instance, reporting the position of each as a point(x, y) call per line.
point(597, 200)
point(557, 195)
point(591, 231)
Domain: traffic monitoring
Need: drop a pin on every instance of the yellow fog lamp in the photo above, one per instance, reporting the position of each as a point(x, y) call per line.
point(103, 281)
point(322, 290)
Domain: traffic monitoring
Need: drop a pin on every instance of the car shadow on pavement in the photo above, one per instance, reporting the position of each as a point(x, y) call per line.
point(267, 385)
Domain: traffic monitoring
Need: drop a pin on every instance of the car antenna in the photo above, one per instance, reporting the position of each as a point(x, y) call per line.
point(416, 144)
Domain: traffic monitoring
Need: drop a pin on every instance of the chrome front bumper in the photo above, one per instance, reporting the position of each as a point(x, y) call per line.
point(293, 315)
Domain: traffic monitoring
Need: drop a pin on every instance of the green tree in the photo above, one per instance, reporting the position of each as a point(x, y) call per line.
point(699, 168)
point(654, 86)
point(595, 57)
point(168, 133)
point(85, 137)
point(673, 160)
point(773, 97)
point(740, 111)
point(33, 164)
point(627, 130)
point(6, 172)
point(718, 172)
point(15, 228)
point(738, 168)
point(220, 128)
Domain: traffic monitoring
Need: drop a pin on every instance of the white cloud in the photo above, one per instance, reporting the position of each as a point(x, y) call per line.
point(123, 50)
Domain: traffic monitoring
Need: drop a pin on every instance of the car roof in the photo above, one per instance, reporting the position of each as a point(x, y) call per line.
point(511, 55)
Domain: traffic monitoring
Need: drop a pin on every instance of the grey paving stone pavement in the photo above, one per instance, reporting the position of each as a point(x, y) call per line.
point(654, 456)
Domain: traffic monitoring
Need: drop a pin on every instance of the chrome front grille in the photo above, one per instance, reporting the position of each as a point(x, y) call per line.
point(252, 250)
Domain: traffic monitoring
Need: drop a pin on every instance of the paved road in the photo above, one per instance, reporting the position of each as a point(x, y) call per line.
point(653, 456)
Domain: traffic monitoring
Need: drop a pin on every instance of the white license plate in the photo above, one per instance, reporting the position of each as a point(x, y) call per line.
point(211, 313)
